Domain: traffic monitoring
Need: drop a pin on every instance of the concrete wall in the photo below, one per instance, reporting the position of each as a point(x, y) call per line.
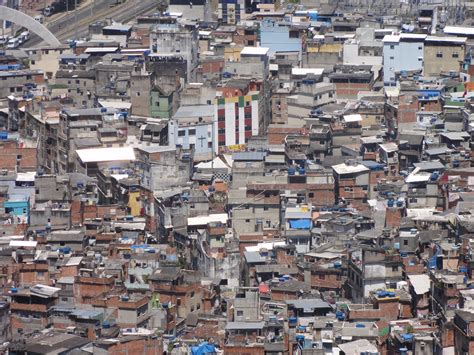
point(433, 64)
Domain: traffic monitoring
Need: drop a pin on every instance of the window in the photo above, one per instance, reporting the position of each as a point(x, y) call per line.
point(311, 195)
point(192, 132)
point(394, 268)
point(192, 294)
point(392, 46)
point(321, 277)
point(348, 189)
point(294, 34)
point(157, 103)
point(181, 133)
point(178, 302)
point(247, 221)
point(138, 94)
point(455, 55)
point(420, 48)
point(240, 313)
point(192, 146)
point(439, 55)
point(28, 77)
point(392, 58)
point(405, 242)
point(77, 81)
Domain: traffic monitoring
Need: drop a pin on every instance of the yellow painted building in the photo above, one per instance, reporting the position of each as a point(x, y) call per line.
point(134, 203)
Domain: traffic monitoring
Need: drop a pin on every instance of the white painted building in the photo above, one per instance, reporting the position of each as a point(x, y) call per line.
point(402, 52)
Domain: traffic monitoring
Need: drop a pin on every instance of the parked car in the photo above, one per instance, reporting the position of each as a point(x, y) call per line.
point(25, 35)
point(13, 43)
point(39, 18)
point(48, 11)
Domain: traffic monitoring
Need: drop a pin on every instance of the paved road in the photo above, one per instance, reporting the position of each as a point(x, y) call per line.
point(76, 24)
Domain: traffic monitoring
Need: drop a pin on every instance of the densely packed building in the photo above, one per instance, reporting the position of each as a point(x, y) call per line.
point(233, 177)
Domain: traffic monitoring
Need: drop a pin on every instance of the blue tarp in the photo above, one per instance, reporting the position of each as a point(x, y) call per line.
point(433, 261)
point(203, 348)
point(300, 224)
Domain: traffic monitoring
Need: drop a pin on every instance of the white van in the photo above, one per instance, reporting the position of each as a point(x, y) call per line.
point(25, 36)
point(39, 18)
point(13, 43)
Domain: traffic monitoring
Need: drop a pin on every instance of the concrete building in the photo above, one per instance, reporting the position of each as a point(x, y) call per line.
point(176, 43)
point(231, 11)
point(191, 128)
point(363, 49)
point(239, 111)
point(352, 183)
point(280, 37)
point(443, 55)
point(402, 53)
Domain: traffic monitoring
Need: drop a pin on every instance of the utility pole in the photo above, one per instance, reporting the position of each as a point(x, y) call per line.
point(75, 20)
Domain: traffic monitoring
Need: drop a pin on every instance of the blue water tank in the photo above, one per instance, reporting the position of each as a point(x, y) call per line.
point(291, 171)
point(103, 109)
point(14, 290)
point(340, 315)
point(360, 325)
point(455, 163)
point(434, 176)
point(301, 171)
point(292, 321)
point(390, 203)
point(299, 337)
